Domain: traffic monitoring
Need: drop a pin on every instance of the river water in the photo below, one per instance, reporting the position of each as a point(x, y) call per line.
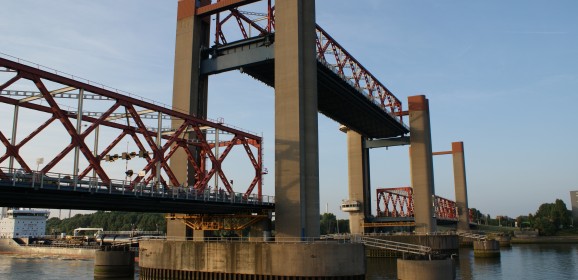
point(553, 262)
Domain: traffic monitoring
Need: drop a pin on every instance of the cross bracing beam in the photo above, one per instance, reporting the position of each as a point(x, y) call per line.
point(34, 95)
point(162, 146)
point(53, 93)
point(329, 52)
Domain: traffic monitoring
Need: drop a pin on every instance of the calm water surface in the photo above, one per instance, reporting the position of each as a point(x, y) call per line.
point(532, 262)
point(520, 262)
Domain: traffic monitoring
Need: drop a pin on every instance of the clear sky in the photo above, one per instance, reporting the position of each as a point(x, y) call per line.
point(502, 76)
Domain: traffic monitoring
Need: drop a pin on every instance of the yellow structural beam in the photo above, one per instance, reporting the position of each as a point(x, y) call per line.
point(217, 222)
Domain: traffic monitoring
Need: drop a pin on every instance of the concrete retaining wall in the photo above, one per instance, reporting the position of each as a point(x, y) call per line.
point(261, 259)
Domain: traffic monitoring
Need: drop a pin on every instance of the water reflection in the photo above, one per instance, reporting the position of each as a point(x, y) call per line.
point(381, 268)
point(531, 262)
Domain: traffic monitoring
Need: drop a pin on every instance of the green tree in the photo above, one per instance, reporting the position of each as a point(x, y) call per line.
point(113, 221)
point(328, 223)
point(551, 217)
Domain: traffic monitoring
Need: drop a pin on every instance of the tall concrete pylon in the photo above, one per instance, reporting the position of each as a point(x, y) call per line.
point(358, 182)
point(296, 133)
point(421, 164)
point(189, 88)
point(460, 185)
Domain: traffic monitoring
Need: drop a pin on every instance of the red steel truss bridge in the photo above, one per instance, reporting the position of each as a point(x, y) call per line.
point(347, 92)
point(52, 109)
point(395, 207)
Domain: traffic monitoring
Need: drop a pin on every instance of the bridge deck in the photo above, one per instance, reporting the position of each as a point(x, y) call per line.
point(337, 99)
point(17, 190)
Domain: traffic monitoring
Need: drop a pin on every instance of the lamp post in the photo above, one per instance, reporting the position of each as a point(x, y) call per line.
point(39, 161)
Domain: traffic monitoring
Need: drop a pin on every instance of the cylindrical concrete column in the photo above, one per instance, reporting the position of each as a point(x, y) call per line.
point(460, 185)
point(426, 269)
point(504, 240)
point(421, 162)
point(487, 249)
point(113, 264)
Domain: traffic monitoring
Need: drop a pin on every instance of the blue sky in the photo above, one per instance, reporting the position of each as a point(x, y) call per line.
point(502, 76)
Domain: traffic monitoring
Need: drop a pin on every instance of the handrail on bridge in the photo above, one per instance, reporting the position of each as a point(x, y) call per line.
point(66, 182)
point(391, 245)
point(466, 234)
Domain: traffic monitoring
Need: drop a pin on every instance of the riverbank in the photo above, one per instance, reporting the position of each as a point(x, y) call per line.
point(572, 239)
point(10, 247)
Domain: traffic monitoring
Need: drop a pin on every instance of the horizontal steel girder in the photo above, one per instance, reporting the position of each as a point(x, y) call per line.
point(338, 99)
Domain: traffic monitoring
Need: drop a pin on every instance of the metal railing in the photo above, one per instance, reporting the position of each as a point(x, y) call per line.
point(291, 240)
point(471, 235)
point(391, 245)
point(66, 182)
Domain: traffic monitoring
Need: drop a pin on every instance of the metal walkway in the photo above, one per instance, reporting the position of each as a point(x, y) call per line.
point(471, 235)
point(391, 245)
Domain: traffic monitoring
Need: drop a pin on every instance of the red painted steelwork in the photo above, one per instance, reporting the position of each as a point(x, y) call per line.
point(137, 130)
point(445, 209)
point(329, 52)
point(398, 202)
point(222, 5)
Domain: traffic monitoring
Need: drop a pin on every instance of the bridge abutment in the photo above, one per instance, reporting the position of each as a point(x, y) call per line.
point(251, 260)
point(113, 264)
point(426, 269)
point(421, 162)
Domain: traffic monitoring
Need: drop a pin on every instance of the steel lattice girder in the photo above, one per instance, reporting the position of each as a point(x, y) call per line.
point(445, 209)
point(398, 202)
point(328, 49)
point(173, 141)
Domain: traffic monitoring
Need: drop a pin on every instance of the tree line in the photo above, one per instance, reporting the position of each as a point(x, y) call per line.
point(109, 221)
point(548, 219)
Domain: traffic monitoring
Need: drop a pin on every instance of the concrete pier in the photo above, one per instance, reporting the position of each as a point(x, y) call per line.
point(487, 249)
point(426, 269)
point(250, 260)
point(504, 240)
point(113, 264)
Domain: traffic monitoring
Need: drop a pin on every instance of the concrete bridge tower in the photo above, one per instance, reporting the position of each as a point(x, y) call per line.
point(296, 133)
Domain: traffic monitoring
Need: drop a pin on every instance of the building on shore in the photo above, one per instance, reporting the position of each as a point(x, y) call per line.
point(574, 199)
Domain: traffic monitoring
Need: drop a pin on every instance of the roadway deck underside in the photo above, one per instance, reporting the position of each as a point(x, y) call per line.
point(48, 198)
point(337, 99)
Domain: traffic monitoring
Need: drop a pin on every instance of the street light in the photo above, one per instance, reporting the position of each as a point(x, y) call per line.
point(39, 161)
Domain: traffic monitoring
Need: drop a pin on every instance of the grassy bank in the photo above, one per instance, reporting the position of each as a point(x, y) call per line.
point(546, 240)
